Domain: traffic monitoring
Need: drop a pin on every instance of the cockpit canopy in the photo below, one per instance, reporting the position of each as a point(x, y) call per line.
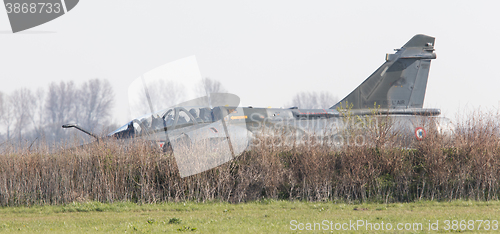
point(170, 119)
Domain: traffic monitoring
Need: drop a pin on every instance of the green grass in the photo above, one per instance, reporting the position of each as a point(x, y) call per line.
point(268, 216)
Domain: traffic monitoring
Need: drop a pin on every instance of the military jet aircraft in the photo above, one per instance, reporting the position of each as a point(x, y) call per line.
point(208, 131)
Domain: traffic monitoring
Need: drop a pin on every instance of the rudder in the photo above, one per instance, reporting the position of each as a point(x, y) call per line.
point(400, 82)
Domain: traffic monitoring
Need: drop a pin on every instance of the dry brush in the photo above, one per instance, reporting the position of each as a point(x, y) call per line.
point(435, 169)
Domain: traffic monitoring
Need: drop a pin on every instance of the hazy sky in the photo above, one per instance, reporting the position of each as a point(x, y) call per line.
point(263, 51)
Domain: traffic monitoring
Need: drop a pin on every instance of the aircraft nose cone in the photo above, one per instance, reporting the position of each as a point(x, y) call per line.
point(28, 14)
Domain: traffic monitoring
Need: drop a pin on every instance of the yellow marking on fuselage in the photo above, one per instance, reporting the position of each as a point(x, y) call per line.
point(239, 117)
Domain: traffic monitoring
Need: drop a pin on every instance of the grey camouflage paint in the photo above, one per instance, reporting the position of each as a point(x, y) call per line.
point(400, 82)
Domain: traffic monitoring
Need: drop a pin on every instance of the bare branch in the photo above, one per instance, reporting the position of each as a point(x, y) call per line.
point(208, 85)
point(95, 101)
point(314, 100)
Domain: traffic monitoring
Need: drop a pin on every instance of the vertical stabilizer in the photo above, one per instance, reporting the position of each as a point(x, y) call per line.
point(400, 82)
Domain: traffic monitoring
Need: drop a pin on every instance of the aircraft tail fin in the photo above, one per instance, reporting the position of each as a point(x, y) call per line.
point(400, 82)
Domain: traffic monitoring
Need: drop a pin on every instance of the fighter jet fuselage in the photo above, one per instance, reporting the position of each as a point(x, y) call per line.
point(389, 101)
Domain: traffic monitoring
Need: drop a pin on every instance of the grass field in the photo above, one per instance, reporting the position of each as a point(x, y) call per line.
point(267, 216)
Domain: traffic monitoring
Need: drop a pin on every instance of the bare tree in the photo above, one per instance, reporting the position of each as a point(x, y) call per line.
point(60, 102)
point(208, 85)
point(32, 115)
point(314, 100)
point(23, 105)
point(165, 94)
point(155, 95)
point(5, 114)
point(95, 101)
point(38, 116)
point(59, 107)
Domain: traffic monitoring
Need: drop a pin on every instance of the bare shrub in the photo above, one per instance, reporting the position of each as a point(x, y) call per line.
point(435, 169)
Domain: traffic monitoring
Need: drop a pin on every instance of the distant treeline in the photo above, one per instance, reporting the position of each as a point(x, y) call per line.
point(437, 168)
point(35, 117)
point(26, 115)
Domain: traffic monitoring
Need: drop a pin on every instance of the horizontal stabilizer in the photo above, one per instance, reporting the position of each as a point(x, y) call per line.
point(409, 111)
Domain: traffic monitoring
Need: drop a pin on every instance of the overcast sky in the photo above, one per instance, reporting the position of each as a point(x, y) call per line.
point(262, 51)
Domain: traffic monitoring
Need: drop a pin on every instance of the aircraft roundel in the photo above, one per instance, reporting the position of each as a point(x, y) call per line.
point(420, 133)
point(160, 144)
